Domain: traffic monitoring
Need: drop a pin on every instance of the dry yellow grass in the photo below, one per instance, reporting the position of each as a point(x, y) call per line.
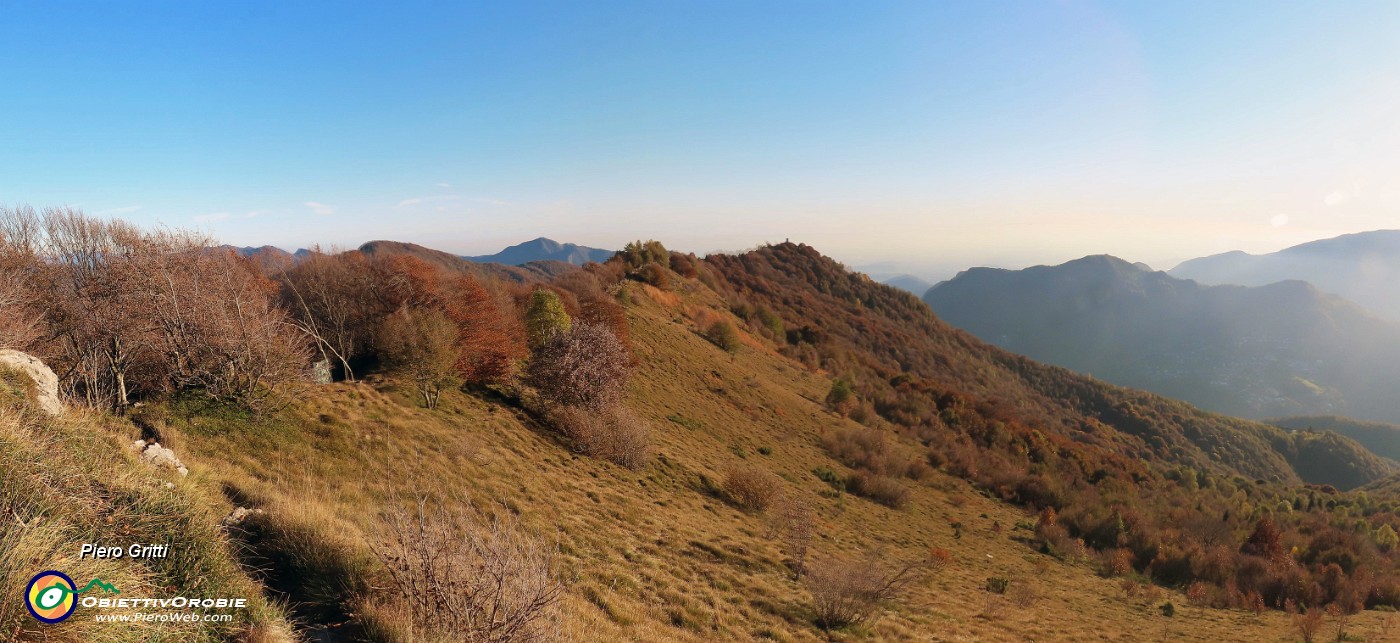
point(658, 554)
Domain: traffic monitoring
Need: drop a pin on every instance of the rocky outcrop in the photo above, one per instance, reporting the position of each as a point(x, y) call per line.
point(154, 454)
point(239, 516)
point(45, 391)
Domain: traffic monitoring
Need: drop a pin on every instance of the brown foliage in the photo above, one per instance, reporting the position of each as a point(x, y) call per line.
point(614, 434)
point(1308, 623)
point(586, 367)
point(465, 577)
point(751, 486)
point(882, 489)
point(490, 339)
point(131, 312)
point(848, 591)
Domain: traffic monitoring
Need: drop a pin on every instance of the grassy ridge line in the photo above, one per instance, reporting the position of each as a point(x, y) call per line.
point(72, 480)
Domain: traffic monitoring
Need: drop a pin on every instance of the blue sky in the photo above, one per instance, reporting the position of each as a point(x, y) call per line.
point(924, 135)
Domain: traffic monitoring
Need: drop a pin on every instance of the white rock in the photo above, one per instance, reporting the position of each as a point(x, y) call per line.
point(159, 456)
point(45, 393)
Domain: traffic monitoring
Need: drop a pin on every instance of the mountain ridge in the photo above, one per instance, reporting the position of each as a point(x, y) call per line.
point(1360, 267)
point(544, 249)
point(1284, 348)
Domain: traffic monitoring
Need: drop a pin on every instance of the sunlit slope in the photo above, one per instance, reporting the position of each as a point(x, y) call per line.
point(658, 554)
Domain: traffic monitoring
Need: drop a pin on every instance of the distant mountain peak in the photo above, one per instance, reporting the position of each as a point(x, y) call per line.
point(544, 249)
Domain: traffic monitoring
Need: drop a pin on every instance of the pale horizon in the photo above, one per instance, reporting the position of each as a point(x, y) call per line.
point(933, 137)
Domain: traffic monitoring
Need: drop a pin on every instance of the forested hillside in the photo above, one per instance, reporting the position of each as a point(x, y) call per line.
point(1281, 349)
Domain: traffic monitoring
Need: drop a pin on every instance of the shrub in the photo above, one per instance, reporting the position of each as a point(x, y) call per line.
point(939, 559)
point(1117, 562)
point(872, 450)
point(655, 275)
point(751, 486)
point(1024, 596)
point(795, 522)
point(841, 397)
point(615, 434)
point(723, 335)
point(1198, 593)
point(467, 578)
point(846, 591)
point(831, 478)
point(683, 265)
point(882, 489)
point(1308, 623)
point(585, 367)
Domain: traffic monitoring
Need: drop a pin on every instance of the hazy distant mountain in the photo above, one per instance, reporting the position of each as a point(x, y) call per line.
point(1362, 267)
point(543, 249)
point(1281, 349)
point(909, 283)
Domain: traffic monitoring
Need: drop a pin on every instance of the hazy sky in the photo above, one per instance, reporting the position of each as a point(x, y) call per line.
point(935, 134)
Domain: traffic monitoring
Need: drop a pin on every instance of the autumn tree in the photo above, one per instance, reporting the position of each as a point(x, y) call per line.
point(1266, 541)
point(422, 345)
point(585, 367)
point(217, 320)
point(330, 296)
point(640, 253)
point(489, 336)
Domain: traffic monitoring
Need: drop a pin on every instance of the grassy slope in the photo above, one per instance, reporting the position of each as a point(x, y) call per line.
point(655, 554)
point(73, 480)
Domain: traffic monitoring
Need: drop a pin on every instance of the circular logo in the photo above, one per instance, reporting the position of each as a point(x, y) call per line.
point(49, 596)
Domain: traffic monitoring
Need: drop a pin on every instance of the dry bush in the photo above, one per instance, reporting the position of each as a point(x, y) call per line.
point(872, 450)
point(795, 523)
point(1116, 562)
point(1198, 593)
point(616, 434)
point(131, 312)
point(19, 321)
point(849, 591)
point(751, 486)
point(1152, 594)
point(882, 489)
point(939, 559)
point(1308, 624)
point(1023, 595)
point(463, 577)
point(587, 367)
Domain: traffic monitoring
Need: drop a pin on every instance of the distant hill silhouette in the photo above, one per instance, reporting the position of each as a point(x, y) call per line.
point(1282, 349)
point(1362, 267)
point(909, 283)
point(543, 249)
point(529, 272)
